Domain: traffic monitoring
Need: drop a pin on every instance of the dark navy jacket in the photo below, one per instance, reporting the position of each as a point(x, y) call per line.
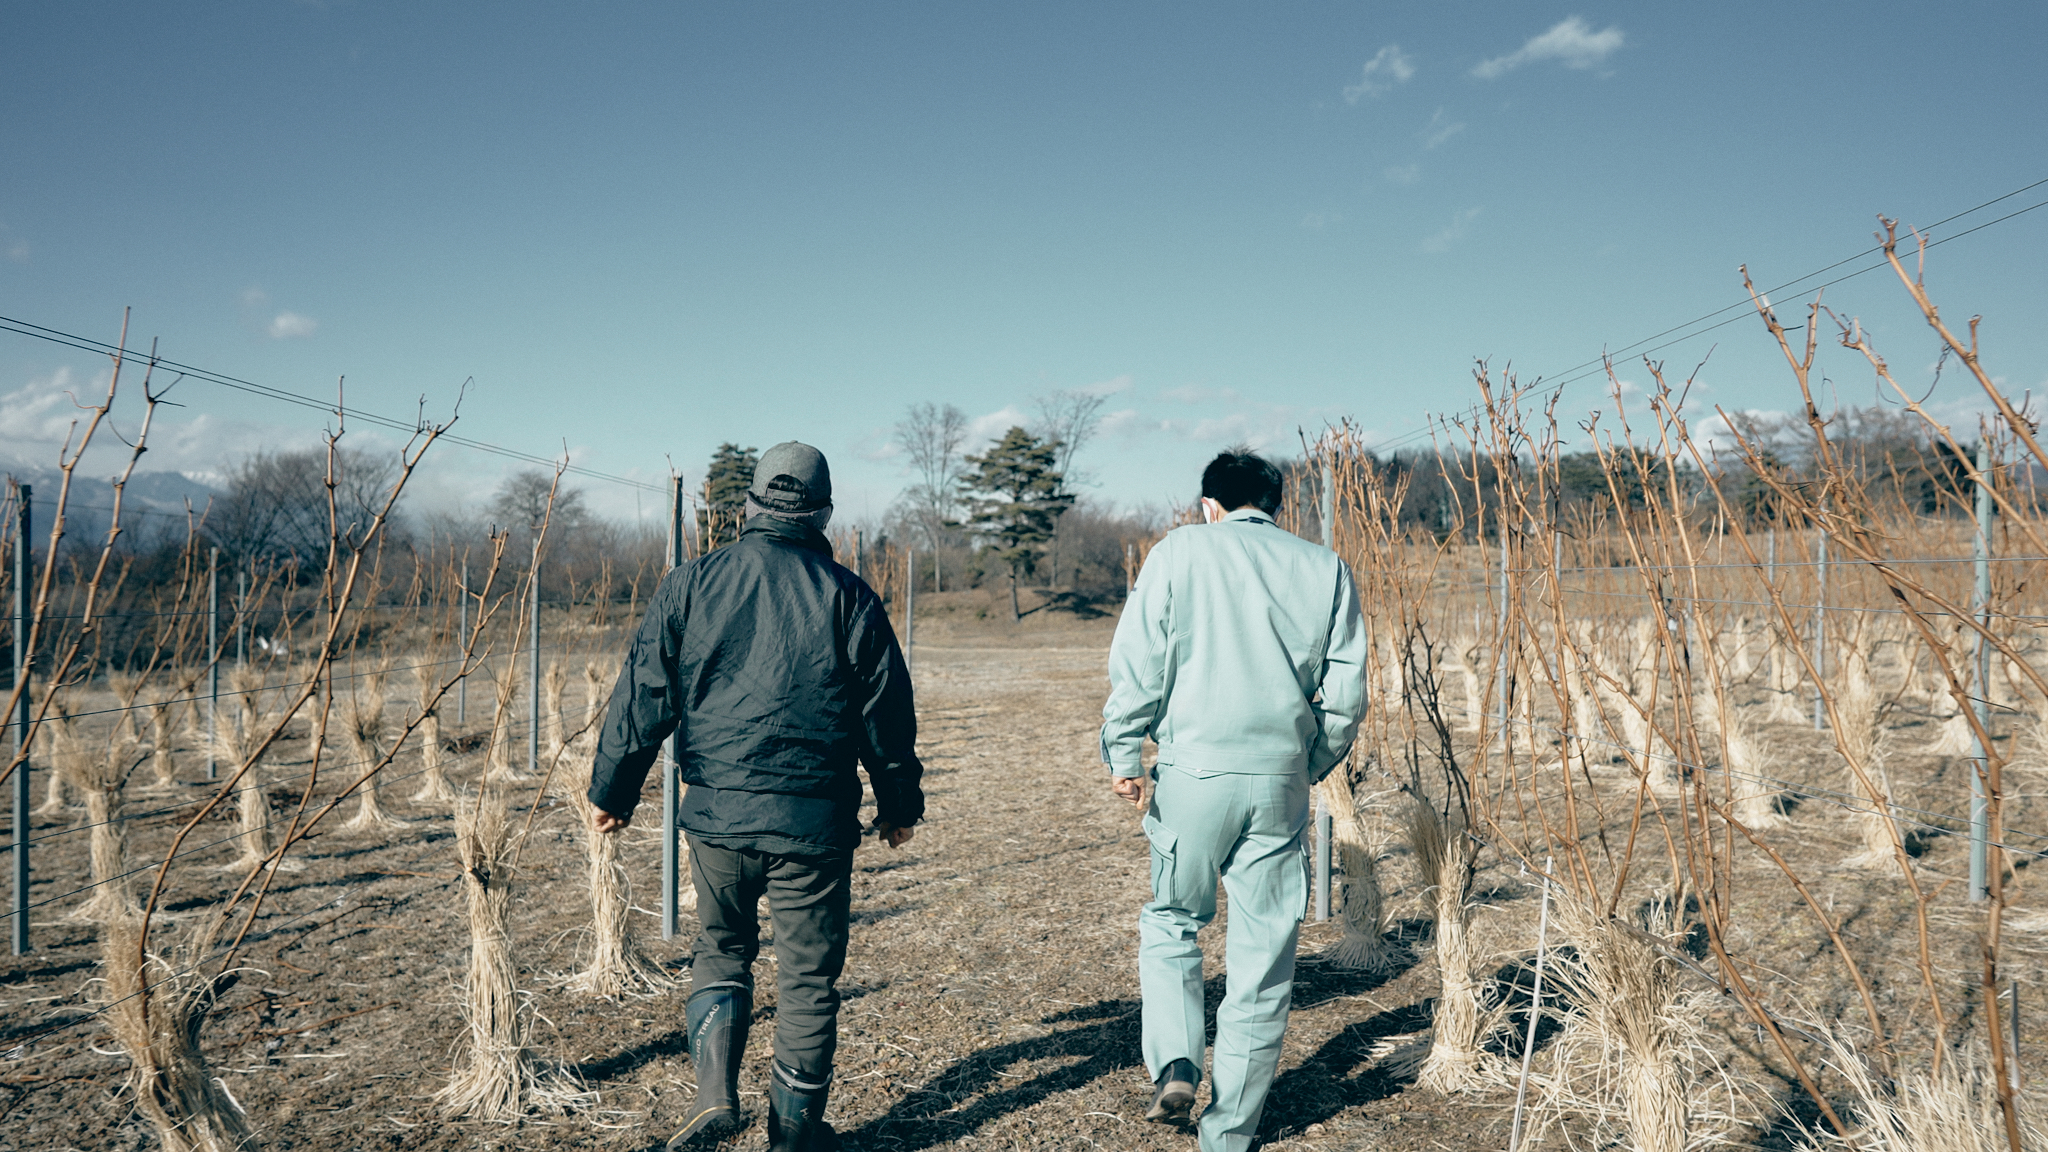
point(779, 670)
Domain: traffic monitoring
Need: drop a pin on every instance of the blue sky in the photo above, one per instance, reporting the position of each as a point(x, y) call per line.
point(643, 229)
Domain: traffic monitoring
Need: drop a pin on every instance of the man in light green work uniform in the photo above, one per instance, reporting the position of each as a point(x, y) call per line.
point(1241, 651)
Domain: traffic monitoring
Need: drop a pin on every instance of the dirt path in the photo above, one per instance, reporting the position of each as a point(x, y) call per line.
point(991, 990)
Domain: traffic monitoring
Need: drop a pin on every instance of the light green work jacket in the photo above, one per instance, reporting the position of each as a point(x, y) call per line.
point(1240, 650)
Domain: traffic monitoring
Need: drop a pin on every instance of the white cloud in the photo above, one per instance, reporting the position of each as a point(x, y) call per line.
point(1405, 174)
point(292, 326)
point(877, 445)
point(1199, 394)
point(1571, 42)
point(1388, 67)
point(1109, 387)
point(1126, 422)
point(1439, 129)
point(37, 418)
point(1456, 230)
point(983, 429)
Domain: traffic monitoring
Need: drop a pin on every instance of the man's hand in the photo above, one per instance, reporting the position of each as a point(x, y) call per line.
point(1130, 788)
point(608, 823)
point(893, 835)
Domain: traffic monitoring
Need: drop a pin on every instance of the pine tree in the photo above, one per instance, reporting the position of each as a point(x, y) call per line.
point(1014, 499)
point(725, 494)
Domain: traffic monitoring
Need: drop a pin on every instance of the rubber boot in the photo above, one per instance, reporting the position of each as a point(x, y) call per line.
point(717, 1018)
point(1173, 1097)
point(796, 1113)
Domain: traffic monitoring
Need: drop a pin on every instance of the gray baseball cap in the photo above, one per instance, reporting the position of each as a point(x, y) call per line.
point(792, 477)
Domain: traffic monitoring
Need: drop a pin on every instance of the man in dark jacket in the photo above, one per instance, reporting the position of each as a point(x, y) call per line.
point(778, 670)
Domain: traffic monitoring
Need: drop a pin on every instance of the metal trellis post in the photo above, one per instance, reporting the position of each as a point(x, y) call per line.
point(212, 657)
point(910, 609)
point(1820, 629)
point(671, 761)
point(1324, 823)
point(241, 615)
point(22, 664)
point(1980, 702)
point(1500, 631)
point(462, 637)
point(533, 662)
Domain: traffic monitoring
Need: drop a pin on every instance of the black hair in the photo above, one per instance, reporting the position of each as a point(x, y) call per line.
point(1239, 477)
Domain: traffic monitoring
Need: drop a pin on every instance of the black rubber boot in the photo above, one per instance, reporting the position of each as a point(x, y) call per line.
point(796, 1113)
point(1173, 1097)
point(717, 1017)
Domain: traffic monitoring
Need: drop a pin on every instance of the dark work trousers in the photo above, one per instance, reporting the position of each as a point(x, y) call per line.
point(808, 898)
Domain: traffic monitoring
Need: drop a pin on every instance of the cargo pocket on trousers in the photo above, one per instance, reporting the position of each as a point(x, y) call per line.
point(1164, 842)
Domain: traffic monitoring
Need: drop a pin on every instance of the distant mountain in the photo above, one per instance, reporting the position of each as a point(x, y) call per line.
point(153, 505)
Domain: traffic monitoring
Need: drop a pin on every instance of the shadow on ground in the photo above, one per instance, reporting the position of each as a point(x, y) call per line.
point(1104, 1040)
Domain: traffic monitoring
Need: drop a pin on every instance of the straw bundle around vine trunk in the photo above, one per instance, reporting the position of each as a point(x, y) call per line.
point(500, 1078)
point(155, 1008)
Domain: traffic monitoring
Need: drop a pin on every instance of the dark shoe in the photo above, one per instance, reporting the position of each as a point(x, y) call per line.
point(717, 1017)
point(796, 1113)
point(1174, 1098)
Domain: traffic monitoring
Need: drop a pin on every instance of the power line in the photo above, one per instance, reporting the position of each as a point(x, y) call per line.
point(88, 344)
point(1598, 364)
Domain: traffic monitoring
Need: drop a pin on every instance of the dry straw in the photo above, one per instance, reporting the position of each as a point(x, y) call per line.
point(1633, 1065)
point(155, 1008)
point(1952, 1106)
point(162, 726)
point(238, 741)
point(505, 690)
point(1366, 914)
point(500, 1078)
point(67, 756)
point(369, 740)
point(1444, 853)
point(102, 781)
point(434, 785)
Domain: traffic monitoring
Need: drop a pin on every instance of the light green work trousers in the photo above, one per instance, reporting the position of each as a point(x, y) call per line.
point(1249, 829)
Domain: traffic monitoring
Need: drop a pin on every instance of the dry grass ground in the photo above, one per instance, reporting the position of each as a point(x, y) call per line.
point(991, 993)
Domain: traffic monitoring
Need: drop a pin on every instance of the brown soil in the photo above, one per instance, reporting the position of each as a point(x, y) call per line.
point(991, 991)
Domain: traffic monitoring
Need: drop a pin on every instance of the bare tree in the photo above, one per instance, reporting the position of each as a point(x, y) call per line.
point(276, 502)
point(933, 435)
point(523, 501)
point(1066, 420)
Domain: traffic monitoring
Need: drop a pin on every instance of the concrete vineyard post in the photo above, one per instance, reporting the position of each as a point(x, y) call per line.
point(671, 760)
point(22, 663)
point(1980, 606)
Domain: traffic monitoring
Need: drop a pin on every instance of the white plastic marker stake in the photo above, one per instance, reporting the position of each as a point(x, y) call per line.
point(1535, 1013)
